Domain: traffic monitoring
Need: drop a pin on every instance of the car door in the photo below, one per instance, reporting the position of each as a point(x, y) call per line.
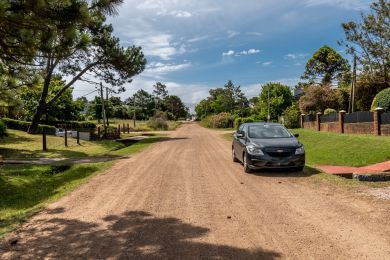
point(240, 142)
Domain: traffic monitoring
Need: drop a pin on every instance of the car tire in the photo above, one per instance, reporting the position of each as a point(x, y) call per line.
point(245, 163)
point(234, 157)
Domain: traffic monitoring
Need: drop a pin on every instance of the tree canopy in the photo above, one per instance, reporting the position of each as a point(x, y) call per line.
point(326, 65)
point(66, 38)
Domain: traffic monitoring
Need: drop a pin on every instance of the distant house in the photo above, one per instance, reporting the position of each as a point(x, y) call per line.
point(298, 93)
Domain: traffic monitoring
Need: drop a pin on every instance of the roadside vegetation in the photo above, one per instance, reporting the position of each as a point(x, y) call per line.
point(26, 189)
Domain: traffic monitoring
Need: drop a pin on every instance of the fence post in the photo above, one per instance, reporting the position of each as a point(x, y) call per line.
point(123, 128)
point(98, 132)
point(128, 128)
point(319, 121)
point(44, 146)
point(66, 138)
point(1, 160)
point(78, 137)
point(341, 121)
point(302, 121)
point(119, 129)
point(377, 120)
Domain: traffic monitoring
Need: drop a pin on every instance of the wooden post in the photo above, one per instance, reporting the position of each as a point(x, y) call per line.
point(341, 121)
point(128, 128)
point(44, 146)
point(98, 132)
point(66, 138)
point(1, 160)
point(302, 121)
point(319, 121)
point(123, 128)
point(119, 129)
point(377, 120)
point(78, 137)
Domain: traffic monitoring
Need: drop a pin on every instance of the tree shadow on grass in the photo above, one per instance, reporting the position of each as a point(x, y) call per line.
point(28, 186)
point(132, 235)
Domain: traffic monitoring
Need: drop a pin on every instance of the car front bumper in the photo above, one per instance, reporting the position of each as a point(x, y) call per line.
point(256, 162)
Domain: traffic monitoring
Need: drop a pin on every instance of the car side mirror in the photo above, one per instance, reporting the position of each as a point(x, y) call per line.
point(240, 134)
point(296, 135)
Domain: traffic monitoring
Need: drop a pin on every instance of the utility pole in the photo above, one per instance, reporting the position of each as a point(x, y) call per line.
point(354, 83)
point(269, 116)
point(103, 109)
point(134, 116)
point(107, 122)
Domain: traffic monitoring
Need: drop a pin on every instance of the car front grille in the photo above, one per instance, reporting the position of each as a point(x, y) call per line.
point(280, 152)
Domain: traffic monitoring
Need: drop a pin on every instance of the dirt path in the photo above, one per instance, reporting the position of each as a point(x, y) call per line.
point(184, 199)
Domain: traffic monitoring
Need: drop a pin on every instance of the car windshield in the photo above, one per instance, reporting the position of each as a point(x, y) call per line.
point(268, 131)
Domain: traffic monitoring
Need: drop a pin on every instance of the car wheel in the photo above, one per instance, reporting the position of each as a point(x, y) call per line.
point(246, 165)
point(234, 158)
point(299, 169)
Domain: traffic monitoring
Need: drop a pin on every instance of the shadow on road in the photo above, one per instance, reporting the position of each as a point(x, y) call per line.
point(132, 235)
point(307, 172)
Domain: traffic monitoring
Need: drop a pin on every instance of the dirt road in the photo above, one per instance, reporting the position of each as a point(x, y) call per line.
point(183, 198)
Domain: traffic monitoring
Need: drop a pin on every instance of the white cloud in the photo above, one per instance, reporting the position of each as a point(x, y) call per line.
point(156, 69)
point(241, 53)
point(159, 45)
point(255, 33)
point(229, 53)
point(232, 34)
point(295, 56)
point(348, 4)
point(267, 63)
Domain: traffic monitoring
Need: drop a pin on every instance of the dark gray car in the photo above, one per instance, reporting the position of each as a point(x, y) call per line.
point(267, 146)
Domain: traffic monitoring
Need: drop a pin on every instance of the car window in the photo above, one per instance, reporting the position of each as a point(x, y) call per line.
point(241, 128)
point(268, 131)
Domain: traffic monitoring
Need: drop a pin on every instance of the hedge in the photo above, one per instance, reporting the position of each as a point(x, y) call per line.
point(241, 120)
point(3, 129)
point(222, 120)
point(74, 125)
point(23, 126)
point(382, 100)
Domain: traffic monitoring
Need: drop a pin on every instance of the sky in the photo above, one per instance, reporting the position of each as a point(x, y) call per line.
point(195, 45)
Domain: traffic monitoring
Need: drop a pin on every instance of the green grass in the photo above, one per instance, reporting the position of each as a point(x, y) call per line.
point(26, 189)
point(341, 149)
point(19, 144)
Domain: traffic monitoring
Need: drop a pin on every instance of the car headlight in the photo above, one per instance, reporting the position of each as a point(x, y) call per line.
point(253, 150)
point(299, 151)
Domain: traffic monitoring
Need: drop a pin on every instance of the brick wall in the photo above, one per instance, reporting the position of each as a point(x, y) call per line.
point(385, 129)
point(310, 125)
point(359, 128)
point(330, 127)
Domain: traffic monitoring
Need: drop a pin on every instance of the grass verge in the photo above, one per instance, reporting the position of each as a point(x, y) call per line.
point(26, 189)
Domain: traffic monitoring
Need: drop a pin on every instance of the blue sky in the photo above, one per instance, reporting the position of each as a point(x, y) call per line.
point(193, 46)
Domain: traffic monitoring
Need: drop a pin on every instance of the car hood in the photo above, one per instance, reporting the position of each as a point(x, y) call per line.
point(277, 142)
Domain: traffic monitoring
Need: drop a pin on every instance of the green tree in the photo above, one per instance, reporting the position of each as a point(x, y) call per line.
point(144, 105)
point(319, 98)
point(325, 66)
point(280, 97)
point(175, 107)
point(369, 42)
point(160, 92)
point(66, 37)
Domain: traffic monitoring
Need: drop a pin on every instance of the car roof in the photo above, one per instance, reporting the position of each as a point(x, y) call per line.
point(262, 123)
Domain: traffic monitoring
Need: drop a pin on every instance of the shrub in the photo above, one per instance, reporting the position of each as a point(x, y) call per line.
point(158, 121)
point(329, 111)
point(3, 129)
point(382, 99)
point(291, 116)
point(222, 120)
point(24, 125)
point(241, 120)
